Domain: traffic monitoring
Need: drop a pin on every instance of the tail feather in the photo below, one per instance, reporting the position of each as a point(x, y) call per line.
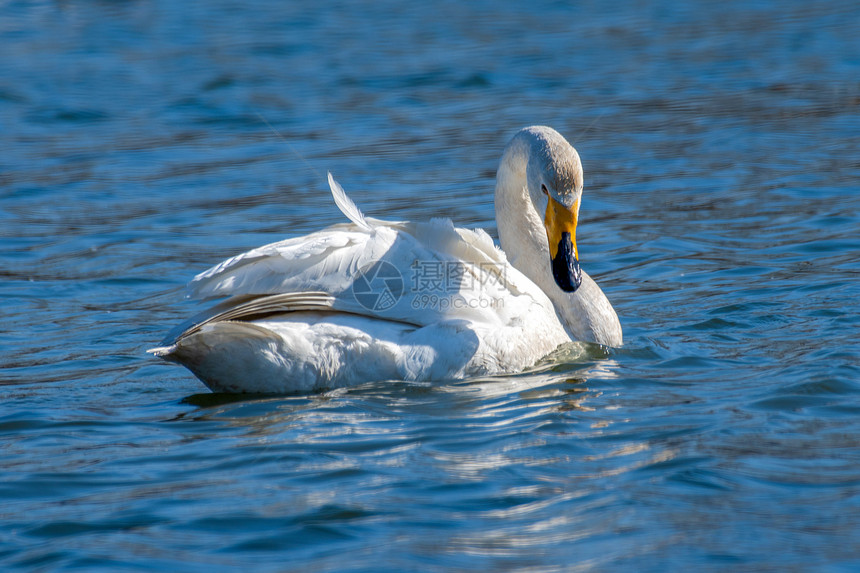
point(346, 205)
point(165, 352)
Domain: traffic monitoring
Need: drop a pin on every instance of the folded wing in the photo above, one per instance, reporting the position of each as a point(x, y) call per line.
point(417, 273)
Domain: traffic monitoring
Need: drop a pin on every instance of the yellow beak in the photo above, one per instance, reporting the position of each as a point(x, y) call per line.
point(560, 223)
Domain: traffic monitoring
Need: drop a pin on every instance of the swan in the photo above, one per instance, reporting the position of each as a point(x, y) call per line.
point(374, 300)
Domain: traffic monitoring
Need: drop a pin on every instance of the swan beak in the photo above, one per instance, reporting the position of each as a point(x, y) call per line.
point(560, 223)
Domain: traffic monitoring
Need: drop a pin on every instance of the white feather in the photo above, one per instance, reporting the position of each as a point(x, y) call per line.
point(346, 205)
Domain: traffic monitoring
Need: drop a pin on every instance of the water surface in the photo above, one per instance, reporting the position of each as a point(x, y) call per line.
point(143, 142)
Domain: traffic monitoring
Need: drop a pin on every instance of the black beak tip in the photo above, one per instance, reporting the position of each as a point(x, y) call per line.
point(565, 267)
point(571, 280)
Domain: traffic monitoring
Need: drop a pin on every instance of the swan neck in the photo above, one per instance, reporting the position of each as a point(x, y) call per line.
point(521, 231)
point(586, 313)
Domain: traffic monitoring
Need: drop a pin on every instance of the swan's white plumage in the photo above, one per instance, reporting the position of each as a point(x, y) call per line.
point(346, 205)
point(294, 322)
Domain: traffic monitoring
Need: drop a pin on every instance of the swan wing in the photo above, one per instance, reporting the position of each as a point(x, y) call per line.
point(420, 273)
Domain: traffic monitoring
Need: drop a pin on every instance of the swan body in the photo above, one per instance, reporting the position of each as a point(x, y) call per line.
point(374, 300)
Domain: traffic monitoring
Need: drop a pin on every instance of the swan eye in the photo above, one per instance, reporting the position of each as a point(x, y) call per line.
point(543, 190)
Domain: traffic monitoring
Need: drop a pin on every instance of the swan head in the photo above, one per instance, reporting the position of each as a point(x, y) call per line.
point(553, 178)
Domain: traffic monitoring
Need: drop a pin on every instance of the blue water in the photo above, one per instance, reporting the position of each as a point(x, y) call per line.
point(143, 142)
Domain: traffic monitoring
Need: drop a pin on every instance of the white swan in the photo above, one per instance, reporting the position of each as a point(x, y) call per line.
point(375, 300)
